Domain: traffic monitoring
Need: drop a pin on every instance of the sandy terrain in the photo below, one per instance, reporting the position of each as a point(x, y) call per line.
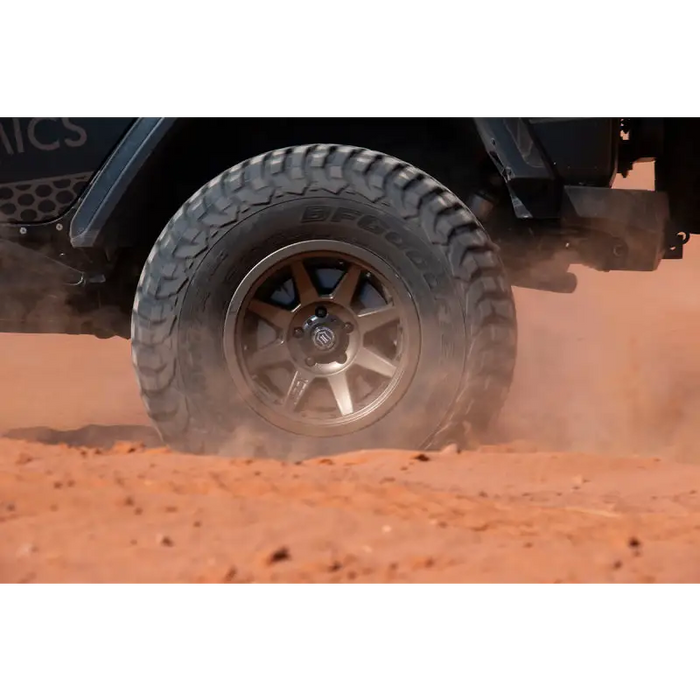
point(594, 476)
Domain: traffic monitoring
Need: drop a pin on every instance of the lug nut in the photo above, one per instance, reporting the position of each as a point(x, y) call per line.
point(349, 328)
point(298, 332)
point(310, 362)
point(321, 312)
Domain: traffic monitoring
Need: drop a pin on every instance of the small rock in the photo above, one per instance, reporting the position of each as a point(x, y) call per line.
point(426, 562)
point(164, 541)
point(125, 448)
point(10, 507)
point(162, 450)
point(171, 509)
point(58, 484)
point(280, 554)
point(197, 523)
point(128, 501)
point(138, 511)
point(635, 545)
point(483, 494)
point(335, 566)
point(26, 549)
point(23, 458)
point(421, 457)
point(230, 575)
point(579, 481)
point(617, 564)
point(450, 449)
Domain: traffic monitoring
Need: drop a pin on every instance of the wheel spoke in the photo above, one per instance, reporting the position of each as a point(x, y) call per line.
point(344, 291)
point(273, 314)
point(305, 288)
point(373, 361)
point(341, 391)
point(273, 354)
point(297, 389)
point(372, 319)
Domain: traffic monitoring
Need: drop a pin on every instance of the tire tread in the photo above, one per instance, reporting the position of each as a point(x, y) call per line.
point(380, 179)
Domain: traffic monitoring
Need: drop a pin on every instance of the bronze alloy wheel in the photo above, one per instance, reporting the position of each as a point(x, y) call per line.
point(322, 337)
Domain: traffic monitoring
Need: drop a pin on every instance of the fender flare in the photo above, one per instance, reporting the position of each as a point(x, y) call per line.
point(113, 179)
point(534, 187)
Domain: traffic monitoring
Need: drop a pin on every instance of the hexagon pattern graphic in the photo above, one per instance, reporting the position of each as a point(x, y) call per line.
point(38, 201)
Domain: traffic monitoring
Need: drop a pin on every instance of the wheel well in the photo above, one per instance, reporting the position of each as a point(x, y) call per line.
point(199, 149)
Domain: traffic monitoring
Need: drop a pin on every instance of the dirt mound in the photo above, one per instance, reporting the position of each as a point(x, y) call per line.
point(86, 494)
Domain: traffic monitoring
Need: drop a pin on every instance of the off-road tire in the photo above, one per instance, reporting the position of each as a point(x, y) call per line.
point(474, 308)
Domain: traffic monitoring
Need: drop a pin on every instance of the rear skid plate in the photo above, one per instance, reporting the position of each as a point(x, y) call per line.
point(627, 229)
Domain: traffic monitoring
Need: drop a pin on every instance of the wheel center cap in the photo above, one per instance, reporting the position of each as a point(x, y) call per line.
point(324, 339)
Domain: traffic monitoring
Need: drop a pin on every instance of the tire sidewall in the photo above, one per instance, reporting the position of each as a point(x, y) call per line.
point(219, 410)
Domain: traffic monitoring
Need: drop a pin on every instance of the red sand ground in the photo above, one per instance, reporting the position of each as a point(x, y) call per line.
point(595, 477)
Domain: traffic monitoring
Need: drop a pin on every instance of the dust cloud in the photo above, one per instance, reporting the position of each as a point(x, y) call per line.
point(613, 367)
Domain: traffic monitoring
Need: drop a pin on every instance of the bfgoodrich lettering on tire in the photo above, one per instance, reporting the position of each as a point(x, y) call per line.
point(319, 299)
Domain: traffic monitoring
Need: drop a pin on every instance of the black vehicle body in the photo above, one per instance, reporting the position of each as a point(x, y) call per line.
point(82, 200)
